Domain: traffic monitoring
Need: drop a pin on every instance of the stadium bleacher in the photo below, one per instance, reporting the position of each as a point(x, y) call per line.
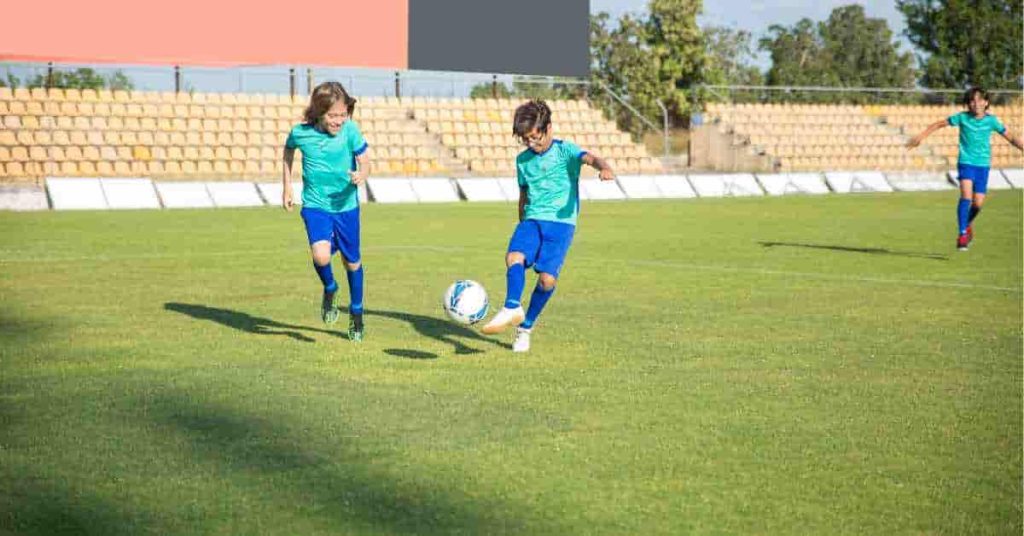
point(229, 136)
point(817, 137)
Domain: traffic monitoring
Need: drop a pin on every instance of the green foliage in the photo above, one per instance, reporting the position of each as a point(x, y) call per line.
point(82, 78)
point(10, 81)
point(846, 50)
point(649, 60)
point(967, 42)
point(729, 55)
point(486, 90)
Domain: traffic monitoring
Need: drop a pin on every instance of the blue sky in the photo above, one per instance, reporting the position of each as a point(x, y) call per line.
point(755, 16)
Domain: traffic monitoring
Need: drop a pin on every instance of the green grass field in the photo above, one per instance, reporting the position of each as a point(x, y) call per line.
point(807, 365)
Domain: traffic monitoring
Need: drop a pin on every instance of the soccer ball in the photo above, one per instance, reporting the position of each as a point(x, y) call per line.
point(465, 301)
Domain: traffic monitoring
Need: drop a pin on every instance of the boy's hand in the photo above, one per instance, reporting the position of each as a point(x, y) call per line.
point(286, 199)
point(606, 174)
point(358, 177)
point(914, 142)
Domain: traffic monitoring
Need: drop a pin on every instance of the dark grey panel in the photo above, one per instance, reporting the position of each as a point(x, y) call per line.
point(537, 37)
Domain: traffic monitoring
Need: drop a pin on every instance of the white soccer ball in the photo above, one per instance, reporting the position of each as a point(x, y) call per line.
point(465, 301)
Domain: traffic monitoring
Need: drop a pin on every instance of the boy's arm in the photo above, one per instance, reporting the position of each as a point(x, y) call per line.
point(605, 171)
point(1013, 139)
point(522, 203)
point(362, 171)
point(286, 178)
point(916, 140)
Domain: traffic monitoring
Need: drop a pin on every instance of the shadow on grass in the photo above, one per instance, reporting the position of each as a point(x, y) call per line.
point(246, 322)
point(435, 328)
point(341, 479)
point(852, 249)
point(48, 506)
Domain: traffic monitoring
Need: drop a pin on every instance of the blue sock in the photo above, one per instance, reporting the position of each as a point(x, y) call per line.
point(963, 209)
point(515, 279)
point(326, 277)
point(975, 209)
point(538, 300)
point(355, 290)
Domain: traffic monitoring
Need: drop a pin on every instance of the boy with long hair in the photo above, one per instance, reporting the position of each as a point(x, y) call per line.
point(334, 164)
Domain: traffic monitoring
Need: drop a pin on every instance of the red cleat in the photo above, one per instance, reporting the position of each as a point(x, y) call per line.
point(970, 233)
point(962, 241)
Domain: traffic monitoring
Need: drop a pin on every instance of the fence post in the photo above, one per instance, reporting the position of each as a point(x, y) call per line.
point(291, 82)
point(177, 79)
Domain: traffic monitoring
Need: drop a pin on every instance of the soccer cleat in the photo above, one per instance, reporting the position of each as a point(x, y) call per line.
point(522, 342)
point(328, 311)
point(505, 318)
point(962, 241)
point(355, 327)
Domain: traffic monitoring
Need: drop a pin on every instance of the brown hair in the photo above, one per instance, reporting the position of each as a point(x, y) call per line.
point(323, 97)
point(976, 90)
point(530, 115)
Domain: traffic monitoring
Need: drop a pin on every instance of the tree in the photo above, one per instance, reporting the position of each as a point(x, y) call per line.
point(649, 60)
point(485, 90)
point(81, 78)
point(847, 50)
point(967, 42)
point(862, 51)
point(729, 54)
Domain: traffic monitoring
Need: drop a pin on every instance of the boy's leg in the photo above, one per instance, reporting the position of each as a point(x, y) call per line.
point(538, 299)
point(980, 188)
point(319, 232)
point(347, 231)
point(557, 237)
point(963, 211)
point(522, 252)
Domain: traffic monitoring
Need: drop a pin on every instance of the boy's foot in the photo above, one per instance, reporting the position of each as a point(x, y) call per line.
point(962, 241)
point(328, 311)
point(522, 342)
point(505, 318)
point(355, 327)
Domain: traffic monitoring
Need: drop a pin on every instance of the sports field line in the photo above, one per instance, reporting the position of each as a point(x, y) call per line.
point(23, 257)
point(811, 275)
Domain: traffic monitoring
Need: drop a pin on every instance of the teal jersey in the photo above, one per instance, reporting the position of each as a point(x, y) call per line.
point(552, 182)
point(327, 162)
point(975, 145)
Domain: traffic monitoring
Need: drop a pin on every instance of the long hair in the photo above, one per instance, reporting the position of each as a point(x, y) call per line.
point(323, 97)
point(976, 90)
point(530, 115)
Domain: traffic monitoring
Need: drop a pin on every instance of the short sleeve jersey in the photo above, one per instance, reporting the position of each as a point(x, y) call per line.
point(327, 162)
point(975, 133)
point(551, 180)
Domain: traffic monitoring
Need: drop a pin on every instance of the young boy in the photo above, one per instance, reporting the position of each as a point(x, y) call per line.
point(548, 173)
point(973, 164)
point(334, 164)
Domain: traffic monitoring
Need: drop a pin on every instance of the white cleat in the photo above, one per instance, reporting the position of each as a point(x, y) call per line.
point(505, 318)
point(522, 342)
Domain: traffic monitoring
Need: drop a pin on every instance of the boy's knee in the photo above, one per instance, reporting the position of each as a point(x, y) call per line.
point(353, 266)
point(514, 257)
point(546, 281)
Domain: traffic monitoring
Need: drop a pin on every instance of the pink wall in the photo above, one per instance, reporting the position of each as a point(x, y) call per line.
point(347, 33)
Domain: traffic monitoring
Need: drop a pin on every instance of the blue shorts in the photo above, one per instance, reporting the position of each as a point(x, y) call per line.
point(978, 174)
point(543, 243)
point(341, 229)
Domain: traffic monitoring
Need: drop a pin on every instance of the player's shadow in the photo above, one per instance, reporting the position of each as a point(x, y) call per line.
point(436, 328)
point(246, 322)
point(852, 249)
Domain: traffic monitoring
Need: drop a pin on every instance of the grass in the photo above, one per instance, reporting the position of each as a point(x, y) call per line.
point(814, 365)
